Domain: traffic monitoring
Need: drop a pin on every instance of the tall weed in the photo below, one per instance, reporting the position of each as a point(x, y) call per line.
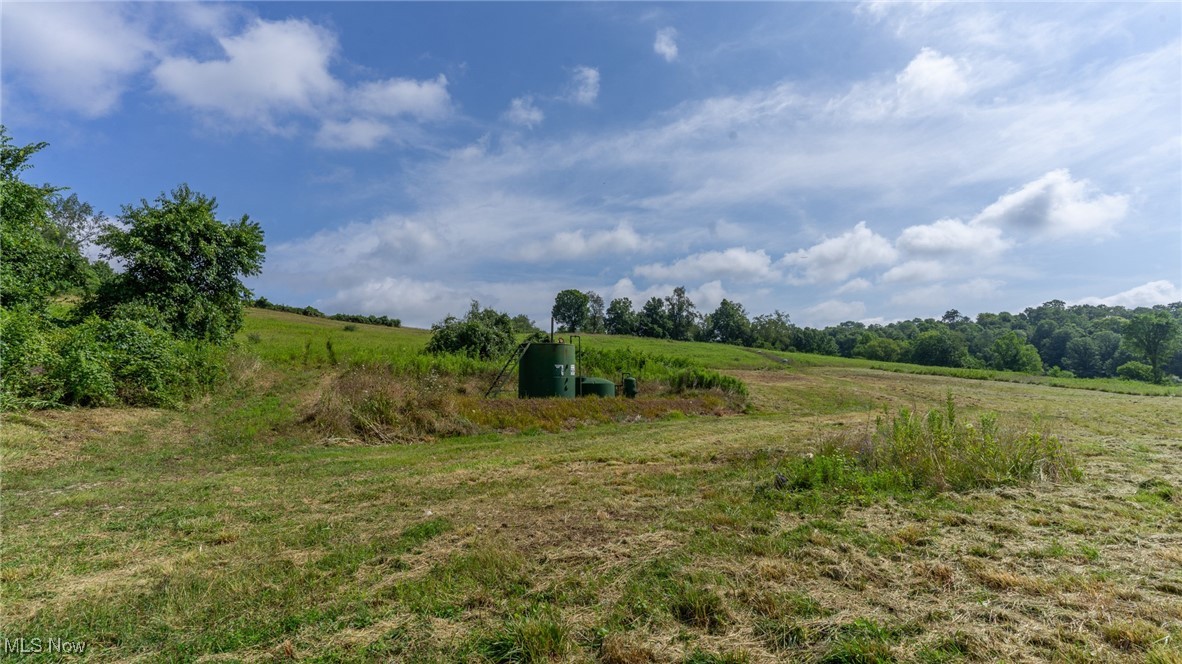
point(942, 450)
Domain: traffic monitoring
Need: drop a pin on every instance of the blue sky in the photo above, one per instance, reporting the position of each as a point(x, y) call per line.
point(836, 161)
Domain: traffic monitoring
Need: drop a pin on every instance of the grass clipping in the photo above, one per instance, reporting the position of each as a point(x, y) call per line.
point(943, 451)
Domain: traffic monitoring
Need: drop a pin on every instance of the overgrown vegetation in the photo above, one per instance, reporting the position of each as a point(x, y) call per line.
point(148, 335)
point(941, 450)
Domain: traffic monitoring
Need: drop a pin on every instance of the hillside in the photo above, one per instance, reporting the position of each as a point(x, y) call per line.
point(247, 528)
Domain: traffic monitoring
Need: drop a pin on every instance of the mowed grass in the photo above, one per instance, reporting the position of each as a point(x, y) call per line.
point(235, 531)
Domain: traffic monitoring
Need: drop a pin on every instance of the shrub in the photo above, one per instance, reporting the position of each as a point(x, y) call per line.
point(1135, 371)
point(100, 363)
point(481, 334)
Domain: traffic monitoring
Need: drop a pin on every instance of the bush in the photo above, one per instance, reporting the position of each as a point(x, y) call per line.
point(480, 334)
point(100, 363)
point(1135, 371)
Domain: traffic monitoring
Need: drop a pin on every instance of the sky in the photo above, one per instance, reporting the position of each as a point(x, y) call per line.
point(834, 161)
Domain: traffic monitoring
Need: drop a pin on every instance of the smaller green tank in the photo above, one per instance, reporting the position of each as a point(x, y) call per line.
point(599, 387)
point(630, 390)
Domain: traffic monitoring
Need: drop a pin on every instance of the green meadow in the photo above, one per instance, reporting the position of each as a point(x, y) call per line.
point(342, 497)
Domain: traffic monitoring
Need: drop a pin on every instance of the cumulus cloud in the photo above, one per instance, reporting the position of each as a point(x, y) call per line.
point(665, 44)
point(584, 86)
point(416, 302)
point(355, 251)
point(952, 236)
point(578, 244)
point(929, 78)
point(398, 96)
point(918, 270)
point(1145, 295)
point(523, 112)
point(1056, 205)
point(356, 134)
point(839, 258)
point(272, 67)
point(735, 263)
point(79, 57)
point(937, 298)
point(853, 286)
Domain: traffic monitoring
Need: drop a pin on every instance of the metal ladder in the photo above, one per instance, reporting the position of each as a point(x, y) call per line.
point(506, 371)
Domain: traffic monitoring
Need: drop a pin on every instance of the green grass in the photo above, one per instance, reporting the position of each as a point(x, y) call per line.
point(237, 529)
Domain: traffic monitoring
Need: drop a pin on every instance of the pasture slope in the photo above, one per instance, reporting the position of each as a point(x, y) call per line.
point(241, 529)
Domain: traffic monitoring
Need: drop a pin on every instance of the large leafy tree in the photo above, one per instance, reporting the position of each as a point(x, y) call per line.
point(729, 325)
point(620, 317)
point(1152, 335)
point(183, 268)
point(683, 315)
point(1012, 353)
point(571, 309)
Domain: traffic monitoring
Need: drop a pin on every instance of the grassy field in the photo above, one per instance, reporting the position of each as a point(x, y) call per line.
point(240, 529)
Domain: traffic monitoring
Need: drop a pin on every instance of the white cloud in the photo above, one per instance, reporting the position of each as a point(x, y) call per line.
point(1145, 295)
point(919, 270)
point(952, 236)
point(270, 68)
point(80, 57)
point(735, 263)
point(834, 311)
point(577, 244)
point(353, 134)
point(853, 286)
point(665, 44)
point(523, 112)
point(426, 100)
point(584, 86)
point(935, 299)
point(1055, 205)
point(838, 258)
point(930, 78)
point(415, 302)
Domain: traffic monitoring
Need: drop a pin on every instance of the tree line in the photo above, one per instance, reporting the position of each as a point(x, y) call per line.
point(1087, 341)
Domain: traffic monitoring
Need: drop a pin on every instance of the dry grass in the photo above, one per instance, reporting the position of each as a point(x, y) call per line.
point(232, 533)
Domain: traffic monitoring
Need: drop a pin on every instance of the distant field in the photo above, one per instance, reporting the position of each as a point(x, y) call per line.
point(239, 530)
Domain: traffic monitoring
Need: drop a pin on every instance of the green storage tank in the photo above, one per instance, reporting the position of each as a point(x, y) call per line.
point(630, 387)
point(547, 370)
point(599, 387)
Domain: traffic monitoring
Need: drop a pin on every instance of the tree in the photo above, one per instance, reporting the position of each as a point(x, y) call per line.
point(35, 265)
point(1082, 358)
point(653, 320)
point(1152, 335)
point(620, 317)
point(183, 268)
point(728, 324)
point(938, 347)
point(772, 331)
point(571, 310)
point(880, 349)
point(1012, 353)
point(596, 322)
point(683, 316)
point(481, 333)
point(523, 325)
